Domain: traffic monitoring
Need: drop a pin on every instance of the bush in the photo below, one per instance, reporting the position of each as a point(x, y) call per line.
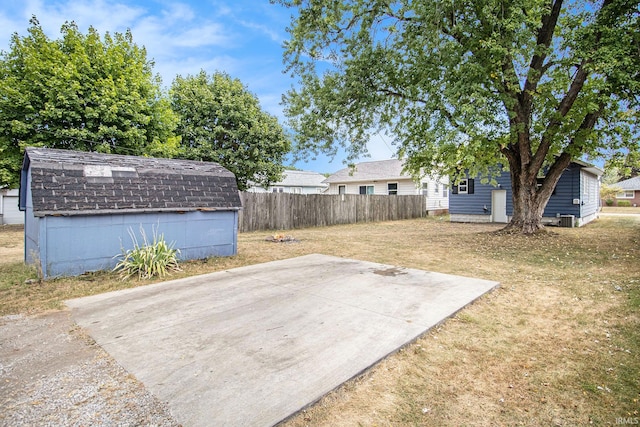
point(609, 202)
point(624, 203)
point(148, 260)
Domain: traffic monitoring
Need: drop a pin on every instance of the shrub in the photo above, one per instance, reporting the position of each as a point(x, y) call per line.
point(148, 260)
point(624, 203)
point(609, 202)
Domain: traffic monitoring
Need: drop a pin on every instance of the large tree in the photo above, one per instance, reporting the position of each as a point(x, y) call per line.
point(80, 92)
point(221, 121)
point(464, 85)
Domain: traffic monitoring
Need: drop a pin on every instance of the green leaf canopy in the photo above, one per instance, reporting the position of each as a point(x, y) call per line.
point(221, 121)
point(80, 92)
point(464, 85)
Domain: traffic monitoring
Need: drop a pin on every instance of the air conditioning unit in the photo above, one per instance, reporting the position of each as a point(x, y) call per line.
point(567, 221)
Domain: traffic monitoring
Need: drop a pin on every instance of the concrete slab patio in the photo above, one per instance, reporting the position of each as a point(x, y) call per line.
point(253, 345)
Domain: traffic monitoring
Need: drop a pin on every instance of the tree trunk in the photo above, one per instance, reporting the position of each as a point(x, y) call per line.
point(527, 206)
point(531, 195)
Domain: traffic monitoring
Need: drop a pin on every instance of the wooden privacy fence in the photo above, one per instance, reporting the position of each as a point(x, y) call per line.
point(285, 211)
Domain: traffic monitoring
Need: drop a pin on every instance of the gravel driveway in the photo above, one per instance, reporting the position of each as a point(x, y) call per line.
point(52, 374)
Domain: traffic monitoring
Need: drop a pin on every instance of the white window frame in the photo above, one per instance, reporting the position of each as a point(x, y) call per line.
point(463, 186)
point(390, 191)
point(425, 188)
point(369, 189)
point(342, 189)
point(626, 194)
point(277, 189)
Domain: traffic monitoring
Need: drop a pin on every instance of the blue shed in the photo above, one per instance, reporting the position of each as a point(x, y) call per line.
point(574, 202)
point(81, 207)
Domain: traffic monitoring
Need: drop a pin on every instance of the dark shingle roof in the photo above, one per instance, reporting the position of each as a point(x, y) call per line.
point(630, 184)
point(67, 182)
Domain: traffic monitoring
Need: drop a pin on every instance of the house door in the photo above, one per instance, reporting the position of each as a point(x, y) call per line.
point(499, 206)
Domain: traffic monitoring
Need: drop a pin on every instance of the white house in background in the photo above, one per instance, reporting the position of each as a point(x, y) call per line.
point(387, 177)
point(9, 211)
point(293, 181)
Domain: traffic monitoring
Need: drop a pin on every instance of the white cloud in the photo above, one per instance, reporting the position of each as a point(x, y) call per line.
point(268, 31)
point(210, 34)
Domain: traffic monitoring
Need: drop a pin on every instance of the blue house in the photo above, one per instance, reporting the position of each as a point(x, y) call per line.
point(81, 208)
point(574, 202)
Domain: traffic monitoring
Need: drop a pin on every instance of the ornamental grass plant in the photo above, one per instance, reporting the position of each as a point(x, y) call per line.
point(148, 260)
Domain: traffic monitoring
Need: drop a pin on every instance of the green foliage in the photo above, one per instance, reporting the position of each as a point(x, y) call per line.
point(149, 259)
point(608, 192)
point(625, 165)
point(80, 92)
point(609, 202)
point(466, 85)
point(624, 203)
point(221, 121)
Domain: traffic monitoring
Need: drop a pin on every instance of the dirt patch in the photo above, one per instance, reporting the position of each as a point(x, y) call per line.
point(53, 374)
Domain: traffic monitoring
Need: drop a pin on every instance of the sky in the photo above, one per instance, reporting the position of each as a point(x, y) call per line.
point(240, 37)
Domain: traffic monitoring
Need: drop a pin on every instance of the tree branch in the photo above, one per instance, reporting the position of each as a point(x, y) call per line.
point(543, 41)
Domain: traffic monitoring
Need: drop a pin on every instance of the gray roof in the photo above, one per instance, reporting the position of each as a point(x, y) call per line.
point(630, 184)
point(291, 178)
point(369, 171)
point(65, 182)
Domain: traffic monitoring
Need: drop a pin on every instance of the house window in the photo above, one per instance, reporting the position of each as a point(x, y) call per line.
point(296, 190)
point(392, 188)
point(626, 194)
point(342, 189)
point(437, 190)
point(366, 189)
point(445, 190)
point(425, 188)
point(465, 186)
point(277, 190)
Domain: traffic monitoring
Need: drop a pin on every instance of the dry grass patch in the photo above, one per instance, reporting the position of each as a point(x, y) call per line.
point(556, 344)
point(625, 210)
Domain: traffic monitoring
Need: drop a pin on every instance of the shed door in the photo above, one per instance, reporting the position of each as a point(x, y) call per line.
point(499, 206)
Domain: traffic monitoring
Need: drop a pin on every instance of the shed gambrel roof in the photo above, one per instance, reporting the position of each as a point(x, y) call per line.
point(65, 182)
point(629, 184)
point(369, 171)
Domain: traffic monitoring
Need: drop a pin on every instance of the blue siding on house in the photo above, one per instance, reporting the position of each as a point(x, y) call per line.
point(575, 183)
point(474, 204)
point(68, 243)
point(567, 189)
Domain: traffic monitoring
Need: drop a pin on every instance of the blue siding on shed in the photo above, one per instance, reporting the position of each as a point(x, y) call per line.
point(31, 226)
point(68, 244)
point(570, 186)
point(72, 245)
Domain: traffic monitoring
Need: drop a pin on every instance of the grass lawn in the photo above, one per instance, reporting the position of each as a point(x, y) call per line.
point(557, 343)
point(621, 210)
